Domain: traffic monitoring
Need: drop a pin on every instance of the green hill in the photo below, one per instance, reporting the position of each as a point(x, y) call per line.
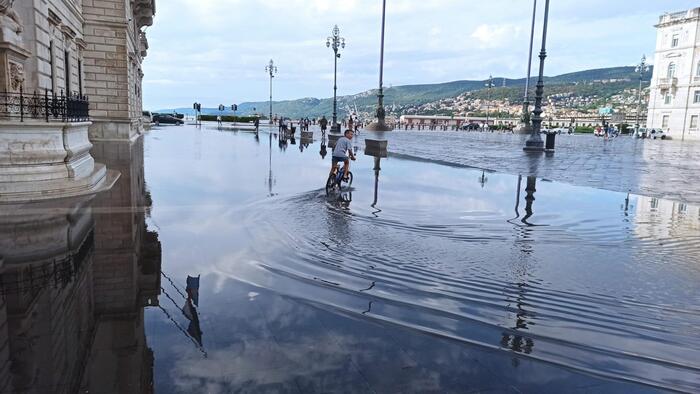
point(586, 82)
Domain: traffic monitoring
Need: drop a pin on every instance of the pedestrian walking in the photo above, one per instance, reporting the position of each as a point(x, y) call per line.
point(323, 123)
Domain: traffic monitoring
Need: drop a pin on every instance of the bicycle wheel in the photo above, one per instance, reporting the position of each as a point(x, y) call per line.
point(330, 183)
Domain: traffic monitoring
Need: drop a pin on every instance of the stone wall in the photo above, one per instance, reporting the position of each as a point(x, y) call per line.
point(113, 60)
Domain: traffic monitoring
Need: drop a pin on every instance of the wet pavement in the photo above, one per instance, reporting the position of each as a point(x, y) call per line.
point(421, 277)
point(662, 169)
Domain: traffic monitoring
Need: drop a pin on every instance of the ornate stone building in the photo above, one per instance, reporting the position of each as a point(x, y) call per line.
point(674, 103)
point(115, 48)
point(70, 72)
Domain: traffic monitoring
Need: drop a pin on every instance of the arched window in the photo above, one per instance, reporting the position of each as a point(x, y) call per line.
point(671, 70)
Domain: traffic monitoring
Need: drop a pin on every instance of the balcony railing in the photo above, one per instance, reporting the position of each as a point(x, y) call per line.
point(48, 107)
point(667, 83)
point(666, 18)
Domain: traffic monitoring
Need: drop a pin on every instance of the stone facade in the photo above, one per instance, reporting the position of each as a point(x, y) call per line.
point(674, 103)
point(115, 48)
point(85, 47)
point(52, 54)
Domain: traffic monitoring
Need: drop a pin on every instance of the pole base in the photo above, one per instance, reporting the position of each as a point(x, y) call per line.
point(379, 125)
point(335, 129)
point(534, 146)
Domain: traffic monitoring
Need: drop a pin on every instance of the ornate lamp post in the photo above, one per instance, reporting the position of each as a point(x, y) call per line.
point(381, 125)
point(335, 41)
point(272, 70)
point(526, 101)
point(642, 68)
point(535, 143)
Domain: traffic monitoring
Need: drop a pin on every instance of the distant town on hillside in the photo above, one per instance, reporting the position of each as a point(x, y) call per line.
point(576, 94)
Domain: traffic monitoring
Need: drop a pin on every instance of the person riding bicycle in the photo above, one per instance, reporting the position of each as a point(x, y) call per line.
point(342, 146)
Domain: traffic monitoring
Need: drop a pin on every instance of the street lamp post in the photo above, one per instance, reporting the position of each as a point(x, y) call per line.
point(381, 125)
point(526, 101)
point(336, 42)
point(272, 70)
point(535, 143)
point(488, 100)
point(642, 68)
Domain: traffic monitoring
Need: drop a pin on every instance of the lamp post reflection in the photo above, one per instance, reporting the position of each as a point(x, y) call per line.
point(483, 179)
point(512, 338)
point(377, 168)
point(270, 179)
point(530, 190)
point(378, 152)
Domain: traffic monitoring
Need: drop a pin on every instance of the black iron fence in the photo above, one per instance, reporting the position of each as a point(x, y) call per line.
point(48, 106)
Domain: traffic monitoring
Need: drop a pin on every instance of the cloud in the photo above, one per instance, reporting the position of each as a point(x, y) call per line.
point(217, 49)
point(496, 36)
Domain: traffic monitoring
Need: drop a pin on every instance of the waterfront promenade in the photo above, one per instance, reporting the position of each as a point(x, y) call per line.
point(653, 168)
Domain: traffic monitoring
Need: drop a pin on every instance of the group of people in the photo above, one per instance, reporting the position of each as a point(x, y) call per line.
point(304, 124)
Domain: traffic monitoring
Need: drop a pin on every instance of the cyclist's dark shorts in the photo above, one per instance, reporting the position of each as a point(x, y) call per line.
point(337, 160)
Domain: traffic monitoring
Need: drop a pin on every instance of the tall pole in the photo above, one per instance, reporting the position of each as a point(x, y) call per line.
point(272, 70)
point(526, 101)
point(641, 69)
point(380, 96)
point(381, 125)
point(335, 91)
point(535, 143)
point(335, 42)
point(488, 101)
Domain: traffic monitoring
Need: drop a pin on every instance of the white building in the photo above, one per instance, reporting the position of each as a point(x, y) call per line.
point(674, 103)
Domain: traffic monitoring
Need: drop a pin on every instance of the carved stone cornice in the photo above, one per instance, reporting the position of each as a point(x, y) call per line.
point(81, 43)
point(68, 32)
point(144, 10)
point(54, 19)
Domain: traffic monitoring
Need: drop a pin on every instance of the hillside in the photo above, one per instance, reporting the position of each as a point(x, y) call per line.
point(578, 83)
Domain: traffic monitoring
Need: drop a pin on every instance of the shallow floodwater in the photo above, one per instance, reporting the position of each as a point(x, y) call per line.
point(421, 277)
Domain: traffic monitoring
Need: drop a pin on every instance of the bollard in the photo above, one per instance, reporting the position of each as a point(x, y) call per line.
point(549, 142)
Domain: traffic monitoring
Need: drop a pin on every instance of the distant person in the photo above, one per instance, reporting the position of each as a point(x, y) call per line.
point(343, 148)
point(256, 123)
point(323, 123)
point(218, 120)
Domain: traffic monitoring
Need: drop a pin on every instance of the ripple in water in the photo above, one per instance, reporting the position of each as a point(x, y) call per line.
point(609, 291)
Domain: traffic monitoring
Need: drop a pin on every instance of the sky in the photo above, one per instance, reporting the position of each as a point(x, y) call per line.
point(215, 51)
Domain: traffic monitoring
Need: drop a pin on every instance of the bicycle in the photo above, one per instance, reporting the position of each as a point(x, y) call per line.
point(335, 180)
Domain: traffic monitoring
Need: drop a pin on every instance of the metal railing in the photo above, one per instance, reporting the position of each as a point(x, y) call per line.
point(48, 107)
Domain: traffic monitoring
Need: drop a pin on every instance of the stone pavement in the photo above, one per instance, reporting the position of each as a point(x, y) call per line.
point(663, 169)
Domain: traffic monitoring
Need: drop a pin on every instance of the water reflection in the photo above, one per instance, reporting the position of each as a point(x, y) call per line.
point(377, 169)
point(270, 180)
point(74, 287)
point(323, 152)
point(315, 294)
point(530, 190)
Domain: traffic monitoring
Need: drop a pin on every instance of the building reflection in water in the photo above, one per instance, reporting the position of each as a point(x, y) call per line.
point(75, 277)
